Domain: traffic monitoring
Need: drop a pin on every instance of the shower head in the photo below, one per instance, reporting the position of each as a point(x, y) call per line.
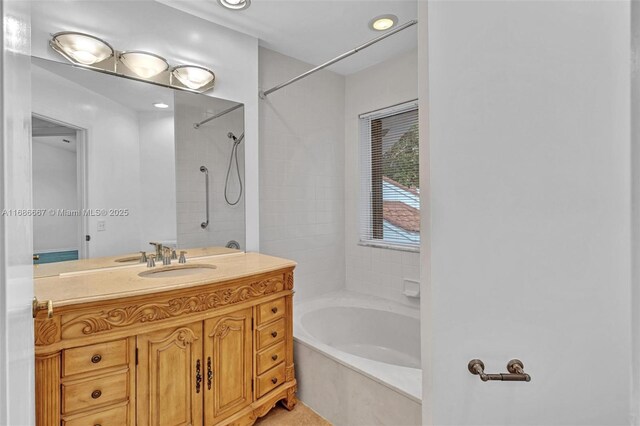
point(230, 135)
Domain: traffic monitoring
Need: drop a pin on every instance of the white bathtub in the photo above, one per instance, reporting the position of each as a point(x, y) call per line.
point(358, 359)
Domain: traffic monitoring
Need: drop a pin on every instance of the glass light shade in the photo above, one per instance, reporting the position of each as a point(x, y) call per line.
point(83, 48)
point(384, 22)
point(192, 76)
point(235, 4)
point(144, 64)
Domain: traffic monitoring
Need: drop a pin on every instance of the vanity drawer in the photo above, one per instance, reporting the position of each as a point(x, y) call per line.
point(270, 333)
point(270, 357)
point(94, 357)
point(270, 380)
point(270, 311)
point(111, 417)
point(87, 394)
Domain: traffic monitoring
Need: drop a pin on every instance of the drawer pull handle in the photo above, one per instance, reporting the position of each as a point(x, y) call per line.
point(274, 310)
point(97, 424)
point(96, 358)
point(274, 357)
point(274, 380)
point(209, 373)
point(274, 334)
point(96, 394)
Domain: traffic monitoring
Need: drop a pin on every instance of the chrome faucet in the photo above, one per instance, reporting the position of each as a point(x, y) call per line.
point(183, 259)
point(158, 247)
point(166, 259)
point(143, 257)
point(151, 261)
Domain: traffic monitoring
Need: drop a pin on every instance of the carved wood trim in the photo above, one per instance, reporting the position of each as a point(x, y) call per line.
point(289, 281)
point(47, 331)
point(106, 320)
point(289, 373)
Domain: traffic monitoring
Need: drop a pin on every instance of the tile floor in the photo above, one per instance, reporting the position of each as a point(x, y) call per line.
point(299, 416)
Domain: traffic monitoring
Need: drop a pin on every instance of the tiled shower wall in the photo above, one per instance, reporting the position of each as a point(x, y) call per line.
point(302, 172)
point(376, 271)
point(207, 146)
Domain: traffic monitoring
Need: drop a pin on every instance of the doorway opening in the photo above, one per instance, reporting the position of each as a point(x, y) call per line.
point(59, 191)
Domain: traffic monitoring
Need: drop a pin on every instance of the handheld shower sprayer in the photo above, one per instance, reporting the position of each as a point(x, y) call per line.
point(234, 153)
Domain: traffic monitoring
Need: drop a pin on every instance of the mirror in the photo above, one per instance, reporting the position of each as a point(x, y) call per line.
point(118, 164)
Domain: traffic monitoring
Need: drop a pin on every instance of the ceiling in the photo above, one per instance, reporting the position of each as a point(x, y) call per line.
point(314, 31)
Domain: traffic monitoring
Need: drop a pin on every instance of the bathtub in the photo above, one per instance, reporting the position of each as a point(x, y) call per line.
point(358, 359)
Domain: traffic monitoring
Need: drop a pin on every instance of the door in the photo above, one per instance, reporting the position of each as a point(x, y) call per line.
point(228, 349)
point(169, 389)
point(530, 248)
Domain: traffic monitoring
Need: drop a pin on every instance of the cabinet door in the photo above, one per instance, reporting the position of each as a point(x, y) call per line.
point(170, 372)
point(228, 351)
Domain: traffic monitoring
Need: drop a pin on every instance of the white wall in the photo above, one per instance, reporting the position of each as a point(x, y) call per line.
point(113, 156)
point(302, 172)
point(180, 38)
point(376, 271)
point(55, 186)
point(530, 200)
point(208, 146)
point(158, 178)
point(16, 250)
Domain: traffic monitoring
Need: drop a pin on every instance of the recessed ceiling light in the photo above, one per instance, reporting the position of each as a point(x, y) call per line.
point(383, 22)
point(161, 105)
point(235, 4)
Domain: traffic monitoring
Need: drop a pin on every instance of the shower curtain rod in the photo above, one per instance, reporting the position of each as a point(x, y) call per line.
point(220, 114)
point(263, 94)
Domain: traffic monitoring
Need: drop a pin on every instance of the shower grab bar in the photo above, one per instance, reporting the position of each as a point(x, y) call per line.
point(515, 367)
point(204, 170)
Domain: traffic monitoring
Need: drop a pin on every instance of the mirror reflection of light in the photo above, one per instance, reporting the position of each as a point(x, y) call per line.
point(15, 33)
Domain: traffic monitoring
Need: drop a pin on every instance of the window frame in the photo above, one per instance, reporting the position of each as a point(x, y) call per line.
point(373, 209)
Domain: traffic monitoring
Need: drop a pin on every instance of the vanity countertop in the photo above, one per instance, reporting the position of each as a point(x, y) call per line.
point(73, 288)
point(57, 268)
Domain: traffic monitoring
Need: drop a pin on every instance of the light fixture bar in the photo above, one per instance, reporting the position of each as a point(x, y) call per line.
point(135, 65)
point(263, 94)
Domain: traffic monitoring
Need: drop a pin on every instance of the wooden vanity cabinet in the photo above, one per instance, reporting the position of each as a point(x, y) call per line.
point(215, 354)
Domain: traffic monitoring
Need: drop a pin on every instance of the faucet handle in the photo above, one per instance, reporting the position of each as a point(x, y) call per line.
point(166, 256)
point(174, 256)
point(183, 259)
point(143, 256)
point(151, 261)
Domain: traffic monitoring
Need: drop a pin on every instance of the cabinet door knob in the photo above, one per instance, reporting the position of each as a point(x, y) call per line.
point(96, 358)
point(274, 380)
point(96, 394)
point(274, 310)
point(274, 333)
point(274, 357)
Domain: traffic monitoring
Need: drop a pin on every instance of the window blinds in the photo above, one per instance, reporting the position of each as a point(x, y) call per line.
point(389, 176)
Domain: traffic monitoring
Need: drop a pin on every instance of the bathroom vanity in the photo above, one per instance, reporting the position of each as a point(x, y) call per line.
point(209, 342)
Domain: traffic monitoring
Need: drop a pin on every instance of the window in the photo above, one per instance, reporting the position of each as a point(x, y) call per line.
point(389, 183)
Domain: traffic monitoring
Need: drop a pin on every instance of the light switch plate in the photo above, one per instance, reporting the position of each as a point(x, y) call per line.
point(102, 225)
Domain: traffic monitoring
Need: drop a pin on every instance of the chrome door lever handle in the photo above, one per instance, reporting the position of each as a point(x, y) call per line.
point(515, 367)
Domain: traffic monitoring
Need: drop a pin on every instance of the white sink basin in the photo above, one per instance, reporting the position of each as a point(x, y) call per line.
point(177, 271)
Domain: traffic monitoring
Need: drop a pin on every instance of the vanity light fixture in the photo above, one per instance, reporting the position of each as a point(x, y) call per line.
point(161, 105)
point(144, 64)
point(235, 4)
point(192, 76)
point(82, 48)
point(94, 53)
point(383, 22)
